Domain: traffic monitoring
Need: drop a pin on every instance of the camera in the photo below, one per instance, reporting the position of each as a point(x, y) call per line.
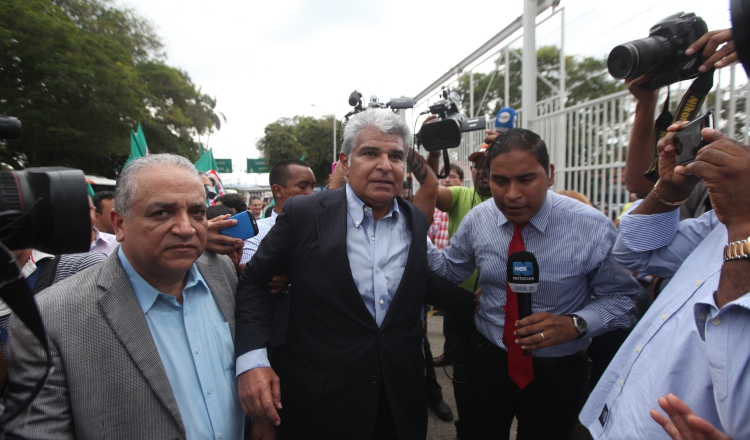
point(446, 133)
point(43, 208)
point(355, 100)
point(662, 53)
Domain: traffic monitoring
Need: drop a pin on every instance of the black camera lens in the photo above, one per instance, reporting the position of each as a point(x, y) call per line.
point(45, 209)
point(637, 57)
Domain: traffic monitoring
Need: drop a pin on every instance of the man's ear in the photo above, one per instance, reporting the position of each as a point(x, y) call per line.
point(344, 162)
point(276, 190)
point(551, 175)
point(118, 221)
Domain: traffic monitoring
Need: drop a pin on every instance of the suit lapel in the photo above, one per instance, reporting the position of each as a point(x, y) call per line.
point(216, 284)
point(331, 226)
point(125, 316)
point(400, 296)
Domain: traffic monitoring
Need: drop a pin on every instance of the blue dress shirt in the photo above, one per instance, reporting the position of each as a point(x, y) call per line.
point(377, 252)
point(664, 353)
point(726, 333)
point(195, 346)
point(572, 243)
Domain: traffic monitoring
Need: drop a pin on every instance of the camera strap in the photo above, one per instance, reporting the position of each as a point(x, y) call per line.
point(689, 107)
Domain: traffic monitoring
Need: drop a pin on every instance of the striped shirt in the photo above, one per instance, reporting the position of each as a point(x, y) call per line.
point(578, 274)
point(251, 244)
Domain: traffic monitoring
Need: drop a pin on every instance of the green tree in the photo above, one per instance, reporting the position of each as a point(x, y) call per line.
point(81, 74)
point(292, 138)
point(586, 78)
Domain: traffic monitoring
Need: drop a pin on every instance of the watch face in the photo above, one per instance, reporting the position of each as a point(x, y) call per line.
point(581, 324)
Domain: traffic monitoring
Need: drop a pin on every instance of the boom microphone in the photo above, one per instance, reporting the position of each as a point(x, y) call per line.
point(523, 278)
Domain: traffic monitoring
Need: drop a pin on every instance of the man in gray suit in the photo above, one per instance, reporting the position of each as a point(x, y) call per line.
point(140, 345)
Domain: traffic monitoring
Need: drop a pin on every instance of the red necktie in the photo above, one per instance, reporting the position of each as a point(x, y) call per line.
point(520, 367)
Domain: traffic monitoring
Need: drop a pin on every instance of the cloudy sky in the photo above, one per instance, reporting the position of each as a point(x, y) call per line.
point(267, 60)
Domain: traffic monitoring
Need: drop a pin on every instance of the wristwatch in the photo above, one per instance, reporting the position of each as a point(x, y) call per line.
point(581, 325)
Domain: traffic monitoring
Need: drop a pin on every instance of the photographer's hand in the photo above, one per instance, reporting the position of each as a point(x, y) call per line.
point(674, 186)
point(724, 166)
point(724, 56)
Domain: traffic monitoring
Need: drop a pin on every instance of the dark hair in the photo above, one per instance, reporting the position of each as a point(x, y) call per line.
point(217, 210)
point(101, 195)
point(456, 168)
point(254, 198)
point(519, 139)
point(233, 201)
point(280, 173)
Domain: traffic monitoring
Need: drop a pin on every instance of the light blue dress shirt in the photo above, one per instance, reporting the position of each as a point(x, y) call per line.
point(377, 252)
point(377, 257)
point(195, 346)
point(664, 353)
point(727, 332)
point(572, 244)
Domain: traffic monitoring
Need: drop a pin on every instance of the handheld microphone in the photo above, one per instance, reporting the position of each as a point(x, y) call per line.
point(523, 279)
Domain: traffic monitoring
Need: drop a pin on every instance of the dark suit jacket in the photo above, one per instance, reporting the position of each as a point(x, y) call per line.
point(107, 379)
point(334, 355)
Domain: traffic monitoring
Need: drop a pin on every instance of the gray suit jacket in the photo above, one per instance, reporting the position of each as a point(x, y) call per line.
point(107, 380)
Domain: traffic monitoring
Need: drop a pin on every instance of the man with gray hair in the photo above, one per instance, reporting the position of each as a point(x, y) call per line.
point(140, 346)
point(352, 365)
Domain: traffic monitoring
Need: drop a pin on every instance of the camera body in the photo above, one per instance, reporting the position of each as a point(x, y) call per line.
point(446, 133)
point(662, 53)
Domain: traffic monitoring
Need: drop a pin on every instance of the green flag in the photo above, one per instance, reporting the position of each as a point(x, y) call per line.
point(206, 162)
point(138, 147)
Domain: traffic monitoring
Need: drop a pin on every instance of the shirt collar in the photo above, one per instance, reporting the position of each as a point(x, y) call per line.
point(145, 292)
point(540, 220)
point(355, 207)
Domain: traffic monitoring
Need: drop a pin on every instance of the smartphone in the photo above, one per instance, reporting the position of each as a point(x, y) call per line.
point(245, 228)
point(688, 141)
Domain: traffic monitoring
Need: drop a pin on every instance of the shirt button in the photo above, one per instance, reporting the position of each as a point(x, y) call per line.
point(698, 282)
point(716, 321)
point(197, 350)
point(638, 349)
point(372, 238)
point(185, 313)
point(622, 382)
point(221, 435)
point(702, 317)
point(209, 391)
point(356, 223)
point(663, 316)
point(374, 379)
point(382, 302)
point(366, 209)
point(378, 269)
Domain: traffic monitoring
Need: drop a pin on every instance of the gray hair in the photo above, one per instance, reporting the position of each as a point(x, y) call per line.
point(383, 120)
point(126, 188)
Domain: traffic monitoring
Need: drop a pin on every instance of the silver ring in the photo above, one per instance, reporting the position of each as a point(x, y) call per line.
point(543, 338)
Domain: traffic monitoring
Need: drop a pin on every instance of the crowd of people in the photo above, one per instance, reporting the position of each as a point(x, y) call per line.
point(315, 327)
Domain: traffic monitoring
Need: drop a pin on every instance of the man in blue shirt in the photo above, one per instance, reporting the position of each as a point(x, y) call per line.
point(582, 293)
point(351, 365)
point(692, 341)
point(141, 344)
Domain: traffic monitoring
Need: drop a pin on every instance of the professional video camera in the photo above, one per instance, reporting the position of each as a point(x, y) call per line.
point(355, 100)
point(42, 208)
point(447, 132)
point(662, 53)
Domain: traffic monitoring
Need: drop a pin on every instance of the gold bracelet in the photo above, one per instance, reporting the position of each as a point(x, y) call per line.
point(737, 250)
point(664, 202)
